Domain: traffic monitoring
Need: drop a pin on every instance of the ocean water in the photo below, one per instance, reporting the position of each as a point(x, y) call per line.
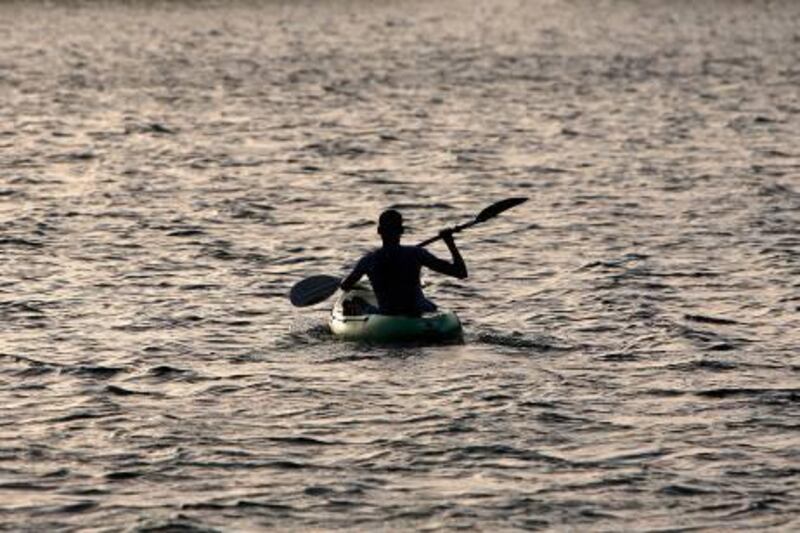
point(169, 169)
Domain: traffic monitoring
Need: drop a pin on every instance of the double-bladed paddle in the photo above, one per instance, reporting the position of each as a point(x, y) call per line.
point(319, 288)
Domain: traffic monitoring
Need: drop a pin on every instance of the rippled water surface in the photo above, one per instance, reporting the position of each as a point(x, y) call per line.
point(169, 170)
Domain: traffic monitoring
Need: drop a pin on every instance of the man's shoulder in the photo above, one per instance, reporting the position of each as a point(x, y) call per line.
point(417, 252)
point(368, 257)
point(409, 250)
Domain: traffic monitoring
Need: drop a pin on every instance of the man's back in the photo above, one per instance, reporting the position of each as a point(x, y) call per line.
point(394, 272)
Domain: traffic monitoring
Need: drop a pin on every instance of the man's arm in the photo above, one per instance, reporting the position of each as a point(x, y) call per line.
point(456, 269)
point(358, 271)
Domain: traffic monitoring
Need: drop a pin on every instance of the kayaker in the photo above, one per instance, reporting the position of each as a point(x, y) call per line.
point(394, 269)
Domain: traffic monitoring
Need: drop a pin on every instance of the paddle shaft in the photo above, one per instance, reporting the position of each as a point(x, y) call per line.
point(487, 214)
point(456, 229)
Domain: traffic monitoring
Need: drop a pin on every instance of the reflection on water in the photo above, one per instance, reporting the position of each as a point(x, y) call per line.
point(168, 171)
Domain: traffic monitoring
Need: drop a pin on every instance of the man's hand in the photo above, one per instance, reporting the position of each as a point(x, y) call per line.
point(447, 235)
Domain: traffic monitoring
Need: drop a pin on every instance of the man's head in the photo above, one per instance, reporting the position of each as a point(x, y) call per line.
point(390, 225)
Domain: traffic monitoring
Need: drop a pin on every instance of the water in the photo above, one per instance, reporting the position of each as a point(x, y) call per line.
point(169, 170)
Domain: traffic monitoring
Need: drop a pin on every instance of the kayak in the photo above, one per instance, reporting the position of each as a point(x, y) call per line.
point(350, 321)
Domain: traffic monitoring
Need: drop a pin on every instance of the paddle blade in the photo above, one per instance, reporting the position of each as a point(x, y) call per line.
point(498, 207)
point(313, 290)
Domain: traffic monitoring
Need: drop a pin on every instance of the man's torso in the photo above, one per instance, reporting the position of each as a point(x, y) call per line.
point(394, 273)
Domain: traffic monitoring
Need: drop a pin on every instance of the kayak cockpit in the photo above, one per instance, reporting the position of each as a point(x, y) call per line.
point(354, 317)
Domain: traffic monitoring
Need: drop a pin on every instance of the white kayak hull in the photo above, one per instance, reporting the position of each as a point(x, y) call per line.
point(436, 327)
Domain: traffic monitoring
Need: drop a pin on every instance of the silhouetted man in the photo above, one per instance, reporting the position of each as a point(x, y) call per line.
point(394, 270)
